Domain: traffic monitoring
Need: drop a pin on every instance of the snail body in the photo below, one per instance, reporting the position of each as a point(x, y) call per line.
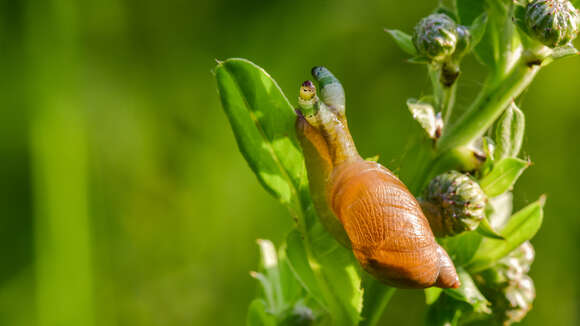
point(383, 222)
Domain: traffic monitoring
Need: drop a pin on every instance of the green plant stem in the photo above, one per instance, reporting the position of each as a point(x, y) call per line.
point(487, 108)
point(448, 102)
point(444, 95)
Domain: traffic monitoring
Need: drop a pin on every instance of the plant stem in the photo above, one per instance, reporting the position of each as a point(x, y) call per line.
point(448, 102)
point(487, 107)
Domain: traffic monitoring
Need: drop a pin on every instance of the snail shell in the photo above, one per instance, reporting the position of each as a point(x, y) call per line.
point(389, 234)
point(363, 204)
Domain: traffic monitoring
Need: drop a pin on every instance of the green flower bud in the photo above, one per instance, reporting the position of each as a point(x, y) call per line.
point(435, 37)
point(508, 132)
point(552, 22)
point(453, 203)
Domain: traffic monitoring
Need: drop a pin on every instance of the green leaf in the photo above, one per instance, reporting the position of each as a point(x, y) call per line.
point(500, 210)
point(503, 176)
point(330, 275)
point(462, 247)
point(446, 311)
point(298, 261)
point(258, 316)
point(291, 288)
point(469, 293)
point(477, 30)
point(403, 40)
point(521, 227)
point(340, 273)
point(469, 10)
point(487, 230)
point(263, 123)
point(432, 294)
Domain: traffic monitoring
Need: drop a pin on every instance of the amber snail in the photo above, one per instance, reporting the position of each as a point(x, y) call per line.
point(362, 203)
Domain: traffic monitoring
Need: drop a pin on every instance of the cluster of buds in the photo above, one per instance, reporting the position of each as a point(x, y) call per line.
point(554, 23)
point(453, 203)
point(508, 286)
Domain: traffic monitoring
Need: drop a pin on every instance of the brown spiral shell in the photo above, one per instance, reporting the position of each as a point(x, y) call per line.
point(389, 234)
point(361, 203)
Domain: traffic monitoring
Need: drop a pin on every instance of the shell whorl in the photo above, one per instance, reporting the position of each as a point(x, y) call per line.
point(389, 234)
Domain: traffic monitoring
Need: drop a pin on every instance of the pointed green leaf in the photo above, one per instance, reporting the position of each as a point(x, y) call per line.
point(521, 227)
point(503, 176)
point(263, 123)
point(403, 40)
point(477, 30)
point(486, 230)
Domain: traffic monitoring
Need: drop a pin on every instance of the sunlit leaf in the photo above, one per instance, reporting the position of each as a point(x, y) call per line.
point(522, 226)
point(403, 40)
point(263, 123)
point(503, 176)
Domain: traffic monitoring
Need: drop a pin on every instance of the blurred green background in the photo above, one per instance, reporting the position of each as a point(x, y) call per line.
point(124, 198)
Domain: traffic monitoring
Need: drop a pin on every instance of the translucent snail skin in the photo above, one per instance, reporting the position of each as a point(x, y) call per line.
point(363, 204)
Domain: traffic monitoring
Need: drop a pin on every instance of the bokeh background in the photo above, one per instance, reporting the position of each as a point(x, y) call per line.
point(124, 198)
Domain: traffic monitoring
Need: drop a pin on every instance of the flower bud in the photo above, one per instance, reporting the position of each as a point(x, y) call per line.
point(508, 132)
point(552, 22)
point(512, 300)
point(507, 285)
point(435, 37)
point(453, 203)
point(512, 267)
